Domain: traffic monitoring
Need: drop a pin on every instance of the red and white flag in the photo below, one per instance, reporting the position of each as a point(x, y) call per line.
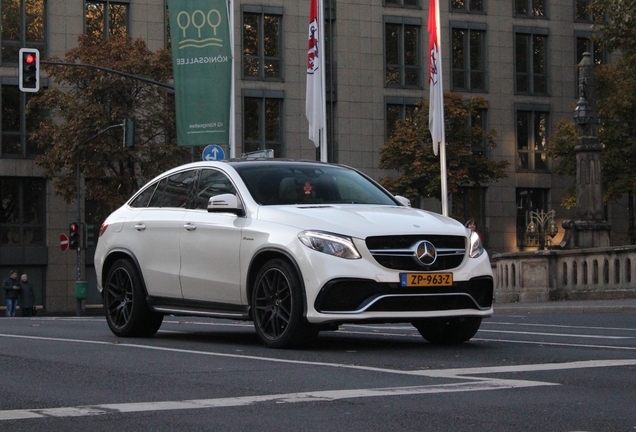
point(315, 103)
point(436, 99)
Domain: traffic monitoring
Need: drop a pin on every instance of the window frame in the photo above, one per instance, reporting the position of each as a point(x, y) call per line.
point(106, 21)
point(530, 8)
point(402, 4)
point(532, 110)
point(466, 8)
point(401, 66)
point(262, 11)
point(531, 33)
point(28, 149)
point(402, 103)
point(23, 42)
point(468, 28)
point(21, 225)
point(523, 212)
point(262, 141)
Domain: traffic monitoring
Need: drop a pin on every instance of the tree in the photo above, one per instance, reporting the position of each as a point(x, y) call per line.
point(90, 101)
point(410, 152)
point(616, 103)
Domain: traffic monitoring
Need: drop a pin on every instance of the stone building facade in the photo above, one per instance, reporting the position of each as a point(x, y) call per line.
point(519, 55)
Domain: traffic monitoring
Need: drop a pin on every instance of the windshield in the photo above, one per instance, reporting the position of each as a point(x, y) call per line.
point(279, 183)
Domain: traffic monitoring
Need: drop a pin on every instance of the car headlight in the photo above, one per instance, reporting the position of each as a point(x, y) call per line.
point(476, 248)
point(331, 244)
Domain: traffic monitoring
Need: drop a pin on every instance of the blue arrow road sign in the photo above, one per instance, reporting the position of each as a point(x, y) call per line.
point(213, 152)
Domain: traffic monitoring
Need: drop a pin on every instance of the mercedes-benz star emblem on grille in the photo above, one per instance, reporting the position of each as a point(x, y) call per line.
point(426, 252)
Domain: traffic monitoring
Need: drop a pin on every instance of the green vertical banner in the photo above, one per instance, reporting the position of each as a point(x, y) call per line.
point(202, 63)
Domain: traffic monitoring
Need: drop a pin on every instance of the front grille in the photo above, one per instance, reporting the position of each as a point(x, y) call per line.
point(399, 252)
point(357, 295)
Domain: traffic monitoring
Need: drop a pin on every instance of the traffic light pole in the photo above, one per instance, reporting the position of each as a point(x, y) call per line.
point(78, 302)
point(113, 71)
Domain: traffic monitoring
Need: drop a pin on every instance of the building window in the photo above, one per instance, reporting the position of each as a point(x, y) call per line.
point(532, 137)
point(585, 43)
point(15, 142)
point(22, 26)
point(22, 214)
point(480, 119)
point(262, 45)
point(467, 5)
point(402, 52)
point(468, 56)
point(529, 200)
point(583, 14)
point(263, 121)
point(470, 203)
point(106, 18)
point(399, 109)
point(531, 68)
point(530, 8)
point(402, 3)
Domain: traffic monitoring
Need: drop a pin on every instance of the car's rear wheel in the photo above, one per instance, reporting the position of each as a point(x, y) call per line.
point(277, 306)
point(127, 313)
point(448, 330)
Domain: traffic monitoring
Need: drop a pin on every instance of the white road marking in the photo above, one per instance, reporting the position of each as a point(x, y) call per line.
point(474, 383)
point(628, 348)
point(314, 396)
point(555, 334)
point(556, 325)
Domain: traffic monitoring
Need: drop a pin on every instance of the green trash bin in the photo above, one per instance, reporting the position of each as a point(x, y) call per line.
point(80, 290)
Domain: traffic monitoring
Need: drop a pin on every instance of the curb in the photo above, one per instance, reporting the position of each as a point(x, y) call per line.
point(584, 306)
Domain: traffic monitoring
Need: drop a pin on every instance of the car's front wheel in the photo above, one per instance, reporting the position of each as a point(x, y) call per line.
point(127, 313)
point(448, 330)
point(277, 306)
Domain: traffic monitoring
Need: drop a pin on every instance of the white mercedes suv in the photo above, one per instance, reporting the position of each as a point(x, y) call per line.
point(295, 247)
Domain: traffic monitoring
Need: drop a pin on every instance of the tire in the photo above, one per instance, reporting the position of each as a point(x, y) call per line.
point(448, 330)
point(277, 307)
point(127, 313)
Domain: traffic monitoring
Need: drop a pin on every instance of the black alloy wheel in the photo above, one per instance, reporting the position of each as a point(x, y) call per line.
point(277, 305)
point(127, 313)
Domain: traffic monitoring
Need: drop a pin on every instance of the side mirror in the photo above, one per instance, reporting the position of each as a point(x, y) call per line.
point(226, 203)
point(403, 200)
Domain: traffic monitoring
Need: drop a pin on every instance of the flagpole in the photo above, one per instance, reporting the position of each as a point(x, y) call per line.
point(442, 152)
point(436, 100)
point(321, 58)
point(232, 137)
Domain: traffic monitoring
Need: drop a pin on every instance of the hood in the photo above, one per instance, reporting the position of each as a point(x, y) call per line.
point(362, 221)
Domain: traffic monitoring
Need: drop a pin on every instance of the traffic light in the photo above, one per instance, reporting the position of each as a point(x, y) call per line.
point(131, 133)
point(29, 70)
point(74, 235)
point(89, 236)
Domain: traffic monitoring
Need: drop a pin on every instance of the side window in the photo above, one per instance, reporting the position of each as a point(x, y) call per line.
point(211, 183)
point(143, 198)
point(175, 191)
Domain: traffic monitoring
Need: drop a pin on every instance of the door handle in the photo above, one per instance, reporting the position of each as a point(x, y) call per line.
point(140, 226)
point(190, 226)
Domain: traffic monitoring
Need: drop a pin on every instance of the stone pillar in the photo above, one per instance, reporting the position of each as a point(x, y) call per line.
point(589, 228)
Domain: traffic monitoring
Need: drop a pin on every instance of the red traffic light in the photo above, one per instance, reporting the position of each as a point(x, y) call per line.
point(30, 58)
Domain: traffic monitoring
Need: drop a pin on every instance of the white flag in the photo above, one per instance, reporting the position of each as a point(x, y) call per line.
point(436, 99)
point(314, 107)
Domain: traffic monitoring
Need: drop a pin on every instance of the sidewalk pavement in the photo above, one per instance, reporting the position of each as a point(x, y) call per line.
point(574, 306)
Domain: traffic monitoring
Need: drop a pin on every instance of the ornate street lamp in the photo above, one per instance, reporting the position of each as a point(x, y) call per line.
point(583, 112)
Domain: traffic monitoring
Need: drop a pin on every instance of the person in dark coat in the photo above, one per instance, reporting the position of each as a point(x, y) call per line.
point(27, 298)
point(11, 288)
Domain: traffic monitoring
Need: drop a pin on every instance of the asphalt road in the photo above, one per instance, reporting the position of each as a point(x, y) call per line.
point(526, 370)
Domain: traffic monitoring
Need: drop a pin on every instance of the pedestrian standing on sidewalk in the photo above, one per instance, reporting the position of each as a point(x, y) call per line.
point(27, 299)
point(11, 288)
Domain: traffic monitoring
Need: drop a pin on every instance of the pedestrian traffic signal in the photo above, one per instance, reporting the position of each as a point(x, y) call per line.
point(29, 70)
point(74, 235)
